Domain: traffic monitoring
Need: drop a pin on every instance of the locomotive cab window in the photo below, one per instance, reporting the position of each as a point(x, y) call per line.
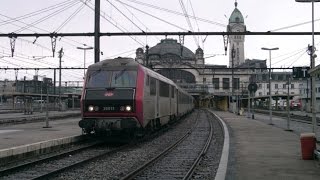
point(112, 79)
point(98, 79)
point(124, 78)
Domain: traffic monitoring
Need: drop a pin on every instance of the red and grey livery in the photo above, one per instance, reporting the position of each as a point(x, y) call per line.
point(122, 95)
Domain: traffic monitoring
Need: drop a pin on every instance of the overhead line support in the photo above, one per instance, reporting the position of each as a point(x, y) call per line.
point(97, 31)
point(13, 38)
point(158, 34)
point(53, 37)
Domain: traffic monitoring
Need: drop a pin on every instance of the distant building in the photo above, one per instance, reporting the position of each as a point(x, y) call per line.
point(221, 86)
point(236, 44)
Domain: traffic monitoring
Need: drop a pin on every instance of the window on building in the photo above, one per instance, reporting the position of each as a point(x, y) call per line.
point(204, 80)
point(225, 83)
point(268, 86)
point(280, 77)
point(292, 86)
point(236, 82)
point(264, 77)
point(215, 82)
point(283, 86)
point(260, 93)
point(260, 86)
point(276, 86)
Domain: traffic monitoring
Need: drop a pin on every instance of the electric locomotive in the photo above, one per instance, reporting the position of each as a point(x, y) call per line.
point(121, 95)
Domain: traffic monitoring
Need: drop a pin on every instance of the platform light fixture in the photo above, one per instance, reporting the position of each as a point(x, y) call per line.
point(270, 96)
point(84, 48)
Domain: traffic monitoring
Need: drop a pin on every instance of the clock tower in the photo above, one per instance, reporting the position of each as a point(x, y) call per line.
point(236, 46)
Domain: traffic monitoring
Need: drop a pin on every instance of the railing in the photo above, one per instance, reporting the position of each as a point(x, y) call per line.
point(194, 88)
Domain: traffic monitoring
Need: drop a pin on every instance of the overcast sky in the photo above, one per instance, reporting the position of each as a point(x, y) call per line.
point(152, 16)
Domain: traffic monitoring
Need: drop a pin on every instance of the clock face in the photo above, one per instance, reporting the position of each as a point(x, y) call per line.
point(237, 29)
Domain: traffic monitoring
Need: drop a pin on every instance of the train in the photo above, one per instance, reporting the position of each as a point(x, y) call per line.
point(121, 95)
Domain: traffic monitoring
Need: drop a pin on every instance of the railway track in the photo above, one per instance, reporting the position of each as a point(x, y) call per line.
point(118, 162)
point(293, 117)
point(180, 160)
point(49, 166)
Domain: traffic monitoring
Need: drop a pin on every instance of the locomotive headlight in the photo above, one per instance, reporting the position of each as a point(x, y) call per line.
point(90, 108)
point(128, 108)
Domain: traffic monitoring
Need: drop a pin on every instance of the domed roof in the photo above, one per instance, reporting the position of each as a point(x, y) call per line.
point(171, 46)
point(199, 50)
point(236, 16)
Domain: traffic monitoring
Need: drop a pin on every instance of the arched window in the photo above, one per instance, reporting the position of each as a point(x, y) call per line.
point(178, 75)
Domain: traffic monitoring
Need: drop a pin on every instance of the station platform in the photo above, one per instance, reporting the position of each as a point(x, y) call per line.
point(257, 150)
point(262, 151)
point(18, 139)
point(19, 117)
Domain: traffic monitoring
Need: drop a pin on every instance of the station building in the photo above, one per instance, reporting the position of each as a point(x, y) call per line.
point(221, 86)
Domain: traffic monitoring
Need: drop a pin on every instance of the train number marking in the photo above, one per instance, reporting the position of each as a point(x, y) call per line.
point(109, 108)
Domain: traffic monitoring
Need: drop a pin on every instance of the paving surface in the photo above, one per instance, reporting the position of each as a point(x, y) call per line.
point(22, 134)
point(262, 151)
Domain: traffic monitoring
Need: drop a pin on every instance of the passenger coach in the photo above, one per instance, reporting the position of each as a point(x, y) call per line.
point(121, 95)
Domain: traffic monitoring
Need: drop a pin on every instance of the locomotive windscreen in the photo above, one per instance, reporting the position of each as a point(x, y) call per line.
point(112, 79)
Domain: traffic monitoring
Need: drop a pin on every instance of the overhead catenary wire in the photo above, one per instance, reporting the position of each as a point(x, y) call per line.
point(296, 60)
point(36, 32)
point(125, 15)
point(147, 29)
point(177, 13)
point(18, 58)
point(70, 17)
point(194, 14)
point(38, 12)
point(25, 57)
point(66, 56)
point(188, 20)
point(296, 53)
point(46, 48)
point(121, 53)
point(114, 24)
point(295, 25)
point(172, 24)
point(47, 17)
point(37, 65)
point(13, 23)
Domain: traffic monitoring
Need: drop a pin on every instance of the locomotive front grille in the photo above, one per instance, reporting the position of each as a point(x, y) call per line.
point(109, 123)
point(106, 100)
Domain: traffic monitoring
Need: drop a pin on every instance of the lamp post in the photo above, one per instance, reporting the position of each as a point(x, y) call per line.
point(85, 48)
point(233, 55)
point(270, 97)
point(313, 80)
